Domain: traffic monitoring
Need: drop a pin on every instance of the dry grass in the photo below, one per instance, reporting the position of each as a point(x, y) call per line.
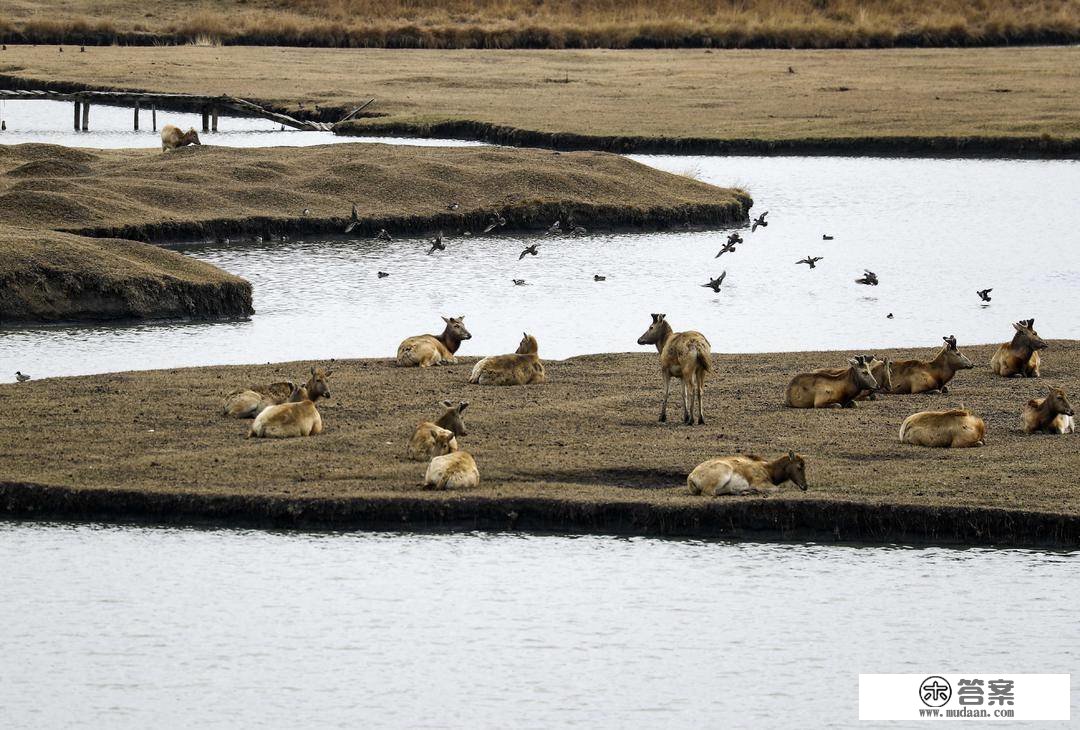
point(727, 95)
point(589, 435)
point(554, 24)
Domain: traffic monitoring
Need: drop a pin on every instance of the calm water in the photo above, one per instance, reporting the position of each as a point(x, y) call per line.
point(933, 230)
point(141, 627)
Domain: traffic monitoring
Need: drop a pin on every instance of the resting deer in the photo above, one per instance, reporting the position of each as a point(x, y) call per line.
point(427, 350)
point(252, 401)
point(452, 471)
point(746, 475)
point(955, 429)
point(836, 388)
point(1020, 357)
point(297, 417)
point(683, 355)
point(172, 138)
point(880, 368)
point(435, 438)
point(930, 376)
point(1052, 414)
point(521, 368)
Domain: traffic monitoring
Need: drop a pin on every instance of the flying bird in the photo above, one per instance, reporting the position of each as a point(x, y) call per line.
point(518, 282)
point(532, 250)
point(496, 221)
point(437, 244)
point(728, 247)
point(383, 274)
point(597, 277)
point(759, 221)
point(826, 237)
point(383, 235)
point(553, 228)
point(984, 294)
point(869, 278)
point(734, 237)
point(811, 260)
point(22, 378)
point(714, 284)
point(353, 220)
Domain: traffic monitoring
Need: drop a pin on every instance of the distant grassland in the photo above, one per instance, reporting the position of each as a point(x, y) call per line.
point(547, 23)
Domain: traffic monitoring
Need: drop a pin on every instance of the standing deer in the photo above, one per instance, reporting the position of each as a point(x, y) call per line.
point(172, 138)
point(1020, 357)
point(683, 355)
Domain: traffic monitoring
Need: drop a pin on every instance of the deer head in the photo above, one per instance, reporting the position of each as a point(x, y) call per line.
point(451, 418)
point(794, 468)
point(657, 331)
point(864, 379)
point(953, 357)
point(455, 328)
point(1026, 336)
point(1058, 402)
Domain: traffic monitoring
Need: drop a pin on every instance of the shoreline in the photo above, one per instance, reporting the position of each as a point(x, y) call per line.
point(773, 519)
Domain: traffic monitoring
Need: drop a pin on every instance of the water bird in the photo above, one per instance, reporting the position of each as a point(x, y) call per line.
point(353, 220)
point(453, 206)
point(811, 260)
point(532, 250)
point(437, 244)
point(82, 49)
point(579, 231)
point(553, 228)
point(984, 294)
point(496, 221)
point(382, 235)
point(61, 49)
point(759, 221)
point(518, 282)
point(826, 237)
point(21, 377)
point(307, 211)
point(383, 274)
point(728, 247)
point(889, 316)
point(714, 284)
point(597, 277)
point(869, 278)
point(790, 70)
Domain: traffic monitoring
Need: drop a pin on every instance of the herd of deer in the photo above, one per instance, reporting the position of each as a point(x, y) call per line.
point(283, 409)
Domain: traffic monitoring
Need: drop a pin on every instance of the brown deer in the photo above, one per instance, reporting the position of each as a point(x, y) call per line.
point(930, 376)
point(435, 438)
point(456, 470)
point(1020, 357)
point(831, 387)
point(746, 475)
point(683, 355)
point(955, 429)
point(880, 368)
point(297, 417)
point(427, 350)
point(1052, 414)
point(172, 138)
point(521, 368)
point(250, 402)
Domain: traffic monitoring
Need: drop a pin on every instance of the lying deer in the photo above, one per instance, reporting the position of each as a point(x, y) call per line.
point(435, 438)
point(250, 402)
point(746, 475)
point(1020, 357)
point(523, 367)
point(1052, 414)
point(880, 368)
point(172, 138)
point(297, 417)
point(955, 429)
point(452, 471)
point(930, 376)
point(683, 355)
point(831, 387)
point(427, 350)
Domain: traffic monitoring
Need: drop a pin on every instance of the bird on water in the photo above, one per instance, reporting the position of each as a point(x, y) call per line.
point(826, 237)
point(984, 294)
point(597, 277)
point(437, 244)
point(383, 235)
point(868, 278)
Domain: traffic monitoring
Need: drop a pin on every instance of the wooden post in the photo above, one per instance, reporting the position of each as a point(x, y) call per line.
point(213, 119)
point(85, 116)
point(136, 116)
point(153, 116)
point(78, 107)
point(205, 119)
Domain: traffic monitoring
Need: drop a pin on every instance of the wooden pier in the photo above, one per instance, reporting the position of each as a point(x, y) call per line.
point(209, 106)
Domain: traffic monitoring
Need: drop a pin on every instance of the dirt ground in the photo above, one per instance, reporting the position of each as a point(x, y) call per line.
point(728, 95)
point(589, 435)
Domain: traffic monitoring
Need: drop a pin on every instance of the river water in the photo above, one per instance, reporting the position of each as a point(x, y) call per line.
point(138, 627)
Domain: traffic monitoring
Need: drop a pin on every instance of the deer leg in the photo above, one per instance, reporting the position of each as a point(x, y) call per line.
point(687, 412)
point(700, 408)
point(667, 391)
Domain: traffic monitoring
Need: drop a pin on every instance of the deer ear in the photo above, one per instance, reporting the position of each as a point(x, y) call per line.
point(312, 370)
point(461, 318)
point(462, 406)
point(854, 362)
point(444, 319)
point(1018, 326)
point(661, 317)
point(791, 454)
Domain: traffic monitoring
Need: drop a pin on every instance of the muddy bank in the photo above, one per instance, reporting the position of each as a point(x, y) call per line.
point(581, 453)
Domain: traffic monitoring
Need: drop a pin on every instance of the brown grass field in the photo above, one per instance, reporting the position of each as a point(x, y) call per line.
point(590, 435)
point(675, 94)
point(548, 23)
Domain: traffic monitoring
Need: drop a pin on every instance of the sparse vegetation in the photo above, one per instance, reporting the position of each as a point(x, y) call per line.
point(552, 23)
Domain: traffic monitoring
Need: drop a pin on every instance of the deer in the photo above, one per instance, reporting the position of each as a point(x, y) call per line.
point(427, 350)
point(746, 475)
point(456, 470)
point(523, 367)
point(298, 416)
point(1050, 414)
point(1020, 357)
point(930, 376)
point(880, 368)
point(683, 355)
point(435, 438)
point(250, 402)
point(831, 388)
point(954, 429)
point(172, 138)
